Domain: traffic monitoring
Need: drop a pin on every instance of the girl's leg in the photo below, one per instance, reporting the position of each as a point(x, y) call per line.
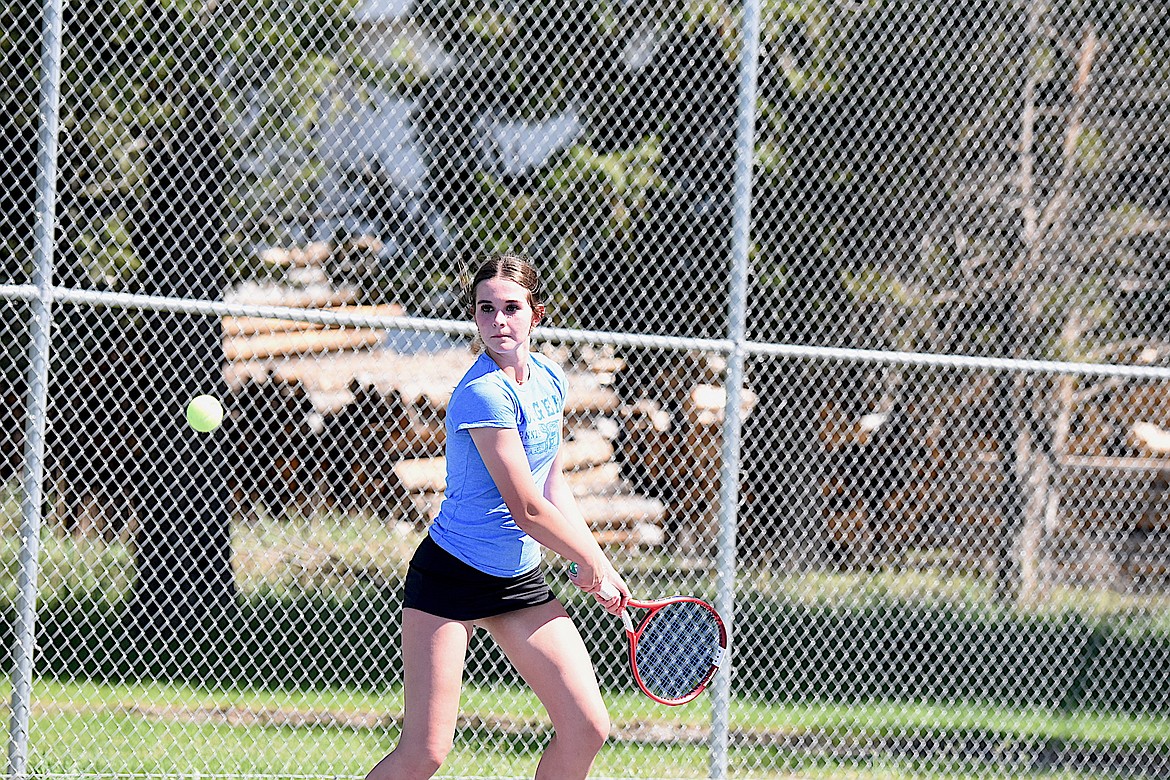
point(547, 650)
point(434, 650)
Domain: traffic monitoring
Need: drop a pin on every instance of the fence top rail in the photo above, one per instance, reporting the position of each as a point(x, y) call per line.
point(965, 362)
point(338, 317)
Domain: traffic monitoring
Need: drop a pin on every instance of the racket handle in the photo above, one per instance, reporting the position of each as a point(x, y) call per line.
point(607, 590)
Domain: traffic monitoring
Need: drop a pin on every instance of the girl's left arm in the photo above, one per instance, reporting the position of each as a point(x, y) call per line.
point(560, 494)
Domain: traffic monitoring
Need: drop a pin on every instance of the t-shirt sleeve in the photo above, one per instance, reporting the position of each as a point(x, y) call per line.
point(562, 382)
point(483, 405)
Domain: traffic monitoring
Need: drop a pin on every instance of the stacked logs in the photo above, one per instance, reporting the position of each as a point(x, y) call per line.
point(322, 417)
point(361, 429)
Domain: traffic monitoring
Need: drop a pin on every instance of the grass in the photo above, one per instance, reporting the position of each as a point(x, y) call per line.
point(85, 727)
point(157, 728)
point(167, 728)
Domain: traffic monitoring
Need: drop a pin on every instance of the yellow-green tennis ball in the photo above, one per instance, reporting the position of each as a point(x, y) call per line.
point(204, 413)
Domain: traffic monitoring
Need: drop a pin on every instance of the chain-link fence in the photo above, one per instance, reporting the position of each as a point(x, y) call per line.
point(898, 401)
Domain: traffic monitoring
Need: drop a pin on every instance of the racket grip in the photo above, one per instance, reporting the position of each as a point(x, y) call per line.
point(607, 590)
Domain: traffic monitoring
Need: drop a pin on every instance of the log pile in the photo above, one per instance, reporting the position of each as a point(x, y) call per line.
point(618, 515)
point(330, 416)
point(670, 446)
point(256, 346)
point(1114, 486)
point(325, 417)
point(1109, 521)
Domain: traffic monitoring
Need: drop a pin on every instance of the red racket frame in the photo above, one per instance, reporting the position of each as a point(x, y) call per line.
point(634, 633)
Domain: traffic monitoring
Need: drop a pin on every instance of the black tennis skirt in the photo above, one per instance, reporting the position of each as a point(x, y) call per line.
point(440, 584)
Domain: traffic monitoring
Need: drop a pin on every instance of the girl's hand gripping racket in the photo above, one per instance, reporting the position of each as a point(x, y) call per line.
point(676, 648)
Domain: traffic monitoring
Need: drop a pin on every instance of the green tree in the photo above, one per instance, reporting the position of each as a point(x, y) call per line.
point(1020, 197)
point(162, 103)
point(1063, 264)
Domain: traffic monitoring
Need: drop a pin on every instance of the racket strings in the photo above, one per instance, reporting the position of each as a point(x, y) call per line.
point(677, 649)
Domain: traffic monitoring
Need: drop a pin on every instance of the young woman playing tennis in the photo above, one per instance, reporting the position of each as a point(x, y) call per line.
point(479, 565)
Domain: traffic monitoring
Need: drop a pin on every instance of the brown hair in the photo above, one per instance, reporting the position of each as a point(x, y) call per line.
point(514, 268)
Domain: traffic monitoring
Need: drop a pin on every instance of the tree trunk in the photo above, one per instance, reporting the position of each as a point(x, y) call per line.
point(1034, 476)
point(1038, 442)
point(183, 562)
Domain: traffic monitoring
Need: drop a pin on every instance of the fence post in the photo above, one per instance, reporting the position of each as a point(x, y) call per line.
point(40, 325)
point(732, 423)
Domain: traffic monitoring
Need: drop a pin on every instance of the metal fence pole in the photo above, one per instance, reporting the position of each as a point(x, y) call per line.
point(38, 376)
point(732, 423)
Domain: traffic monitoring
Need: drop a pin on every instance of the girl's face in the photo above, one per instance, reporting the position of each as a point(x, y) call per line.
point(504, 315)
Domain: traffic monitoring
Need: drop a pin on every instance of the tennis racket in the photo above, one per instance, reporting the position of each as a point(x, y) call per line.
point(675, 648)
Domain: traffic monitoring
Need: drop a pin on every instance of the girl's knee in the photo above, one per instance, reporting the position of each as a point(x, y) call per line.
point(591, 730)
point(411, 760)
point(426, 759)
point(600, 727)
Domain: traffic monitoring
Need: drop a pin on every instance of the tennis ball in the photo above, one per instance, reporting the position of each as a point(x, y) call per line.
point(204, 413)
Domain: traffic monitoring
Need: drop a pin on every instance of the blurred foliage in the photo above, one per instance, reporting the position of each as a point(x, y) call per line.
point(942, 234)
point(127, 67)
point(318, 605)
point(889, 208)
point(855, 136)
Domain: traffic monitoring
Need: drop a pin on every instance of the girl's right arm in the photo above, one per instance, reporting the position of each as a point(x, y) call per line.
point(503, 454)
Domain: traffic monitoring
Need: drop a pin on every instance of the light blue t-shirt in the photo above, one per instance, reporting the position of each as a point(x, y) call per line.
point(474, 524)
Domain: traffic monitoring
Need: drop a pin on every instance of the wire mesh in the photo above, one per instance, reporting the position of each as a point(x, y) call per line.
point(953, 518)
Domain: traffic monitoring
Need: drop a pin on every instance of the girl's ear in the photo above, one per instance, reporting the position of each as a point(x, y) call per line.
point(537, 314)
